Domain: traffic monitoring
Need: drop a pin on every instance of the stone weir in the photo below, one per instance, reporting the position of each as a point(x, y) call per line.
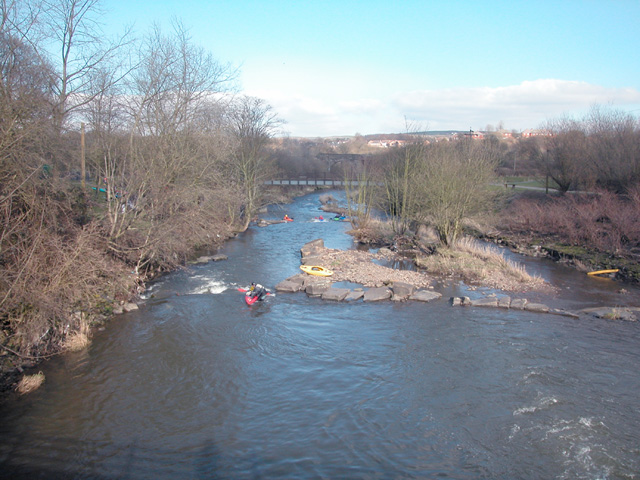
point(383, 283)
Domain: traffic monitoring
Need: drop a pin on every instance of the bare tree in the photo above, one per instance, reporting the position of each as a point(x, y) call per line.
point(453, 184)
point(361, 188)
point(252, 123)
point(400, 187)
point(565, 153)
point(614, 148)
point(80, 50)
point(167, 167)
point(19, 19)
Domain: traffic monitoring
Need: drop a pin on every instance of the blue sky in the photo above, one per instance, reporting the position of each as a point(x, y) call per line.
point(344, 67)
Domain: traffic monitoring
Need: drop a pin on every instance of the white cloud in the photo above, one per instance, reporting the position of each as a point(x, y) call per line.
point(362, 106)
point(522, 106)
point(517, 106)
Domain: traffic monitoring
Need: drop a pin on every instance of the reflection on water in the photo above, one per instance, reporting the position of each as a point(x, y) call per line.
point(196, 384)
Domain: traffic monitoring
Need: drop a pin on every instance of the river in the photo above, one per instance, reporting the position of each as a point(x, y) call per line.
point(196, 384)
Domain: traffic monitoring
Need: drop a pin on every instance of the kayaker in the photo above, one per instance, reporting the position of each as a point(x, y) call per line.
point(257, 290)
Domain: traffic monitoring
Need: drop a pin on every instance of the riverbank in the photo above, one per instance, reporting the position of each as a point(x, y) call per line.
point(581, 258)
point(589, 232)
point(92, 283)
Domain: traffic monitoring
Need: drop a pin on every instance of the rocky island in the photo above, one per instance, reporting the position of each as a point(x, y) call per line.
point(379, 282)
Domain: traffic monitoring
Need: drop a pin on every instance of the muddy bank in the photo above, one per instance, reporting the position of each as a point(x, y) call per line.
point(582, 258)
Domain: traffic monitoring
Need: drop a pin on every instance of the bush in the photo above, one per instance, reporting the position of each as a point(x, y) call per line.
point(604, 221)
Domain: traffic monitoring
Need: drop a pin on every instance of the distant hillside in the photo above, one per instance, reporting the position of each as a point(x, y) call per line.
point(436, 133)
point(401, 136)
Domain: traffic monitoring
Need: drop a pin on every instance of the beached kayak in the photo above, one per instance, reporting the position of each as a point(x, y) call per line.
point(600, 272)
point(316, 270)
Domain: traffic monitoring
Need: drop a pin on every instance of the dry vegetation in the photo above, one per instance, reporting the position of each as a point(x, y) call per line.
point(467, 260)
point(593, 231)
point(110, 174)
point(29, 383)
point(608, 222)
point(482, 265)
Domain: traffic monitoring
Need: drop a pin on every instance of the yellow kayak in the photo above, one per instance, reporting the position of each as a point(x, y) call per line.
point(599, 272)
point(316, 270)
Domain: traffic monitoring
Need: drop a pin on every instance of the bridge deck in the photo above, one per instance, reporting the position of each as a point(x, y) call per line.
point(310, 181)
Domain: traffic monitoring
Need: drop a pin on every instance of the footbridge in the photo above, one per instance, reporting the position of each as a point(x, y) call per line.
point(308, 181)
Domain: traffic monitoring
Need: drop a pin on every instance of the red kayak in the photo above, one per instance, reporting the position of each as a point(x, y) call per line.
point(251, 299)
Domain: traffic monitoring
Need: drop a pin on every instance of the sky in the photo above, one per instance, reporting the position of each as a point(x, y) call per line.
point(346, 67)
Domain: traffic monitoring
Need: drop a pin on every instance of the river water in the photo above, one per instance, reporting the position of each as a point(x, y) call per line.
point(198, 385)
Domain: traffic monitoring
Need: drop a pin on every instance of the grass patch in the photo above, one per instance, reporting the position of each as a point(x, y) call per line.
point(78, 339)
point(76, 342)
point(480, 264)
point(29, 383)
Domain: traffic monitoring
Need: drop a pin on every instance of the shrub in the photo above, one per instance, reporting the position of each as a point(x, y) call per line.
point(604, 220)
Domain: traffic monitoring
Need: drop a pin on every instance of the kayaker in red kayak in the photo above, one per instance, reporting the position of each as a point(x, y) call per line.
point(257, 290)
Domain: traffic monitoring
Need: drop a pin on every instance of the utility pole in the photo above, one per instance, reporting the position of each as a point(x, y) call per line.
point(82, 161)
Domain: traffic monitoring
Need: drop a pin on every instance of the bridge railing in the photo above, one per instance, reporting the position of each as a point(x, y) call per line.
point(314, 181)
point(305, 180)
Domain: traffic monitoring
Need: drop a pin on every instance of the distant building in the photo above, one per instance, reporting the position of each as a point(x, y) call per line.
point(536, 133)
point(385, 143)
point(474, 135)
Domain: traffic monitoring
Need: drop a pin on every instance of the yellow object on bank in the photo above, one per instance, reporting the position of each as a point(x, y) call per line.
point(316, 270)
point(599, 272)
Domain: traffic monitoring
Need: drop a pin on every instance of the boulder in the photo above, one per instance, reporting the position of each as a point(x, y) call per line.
point(536, 307)
point(565, 313)
point(401, 291)
point(376, 294)
point(612, 313)
point(485, 302)
point(504, 302)
point(424, 296)
point(326, 198)
point(315, 280)
point(460, 301)
point(291, 284)
point(354, 295)
point(317, 289)
point(288, 286)
point(311, 260)
point(129, 307)
point(519, 303)
point(312, 247)
point(208, 258)
point(337, 294)
point(265, 223)
point(201, 260)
